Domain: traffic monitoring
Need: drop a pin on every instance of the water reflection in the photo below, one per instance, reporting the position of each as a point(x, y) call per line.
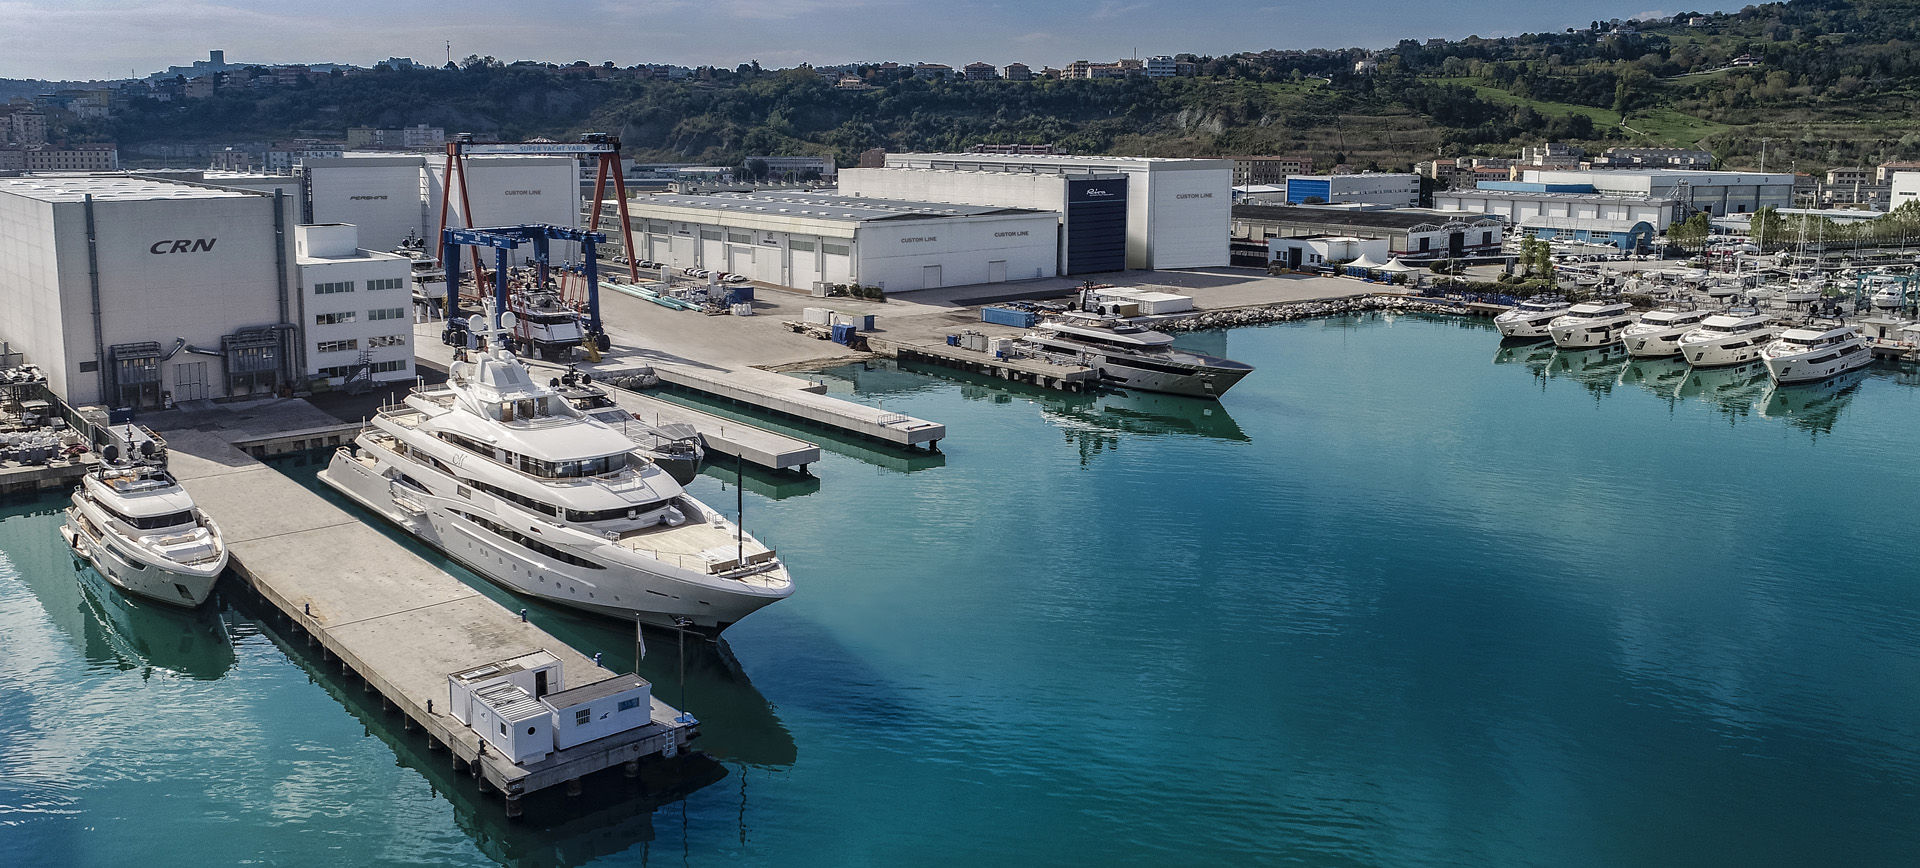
point(1662, 377)
point(1812, 406)
point(1145, 413)
point(1597, 369)
point(114, 630)
point(771, 484)
point(1732, 389)
point(613, 814)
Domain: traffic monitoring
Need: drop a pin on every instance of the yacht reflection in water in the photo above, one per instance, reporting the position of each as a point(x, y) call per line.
point(1812, 406)
point(1145, 413)
point(1732, 389)
point(120, 631)
point(1661, 376)
point(1596, 368)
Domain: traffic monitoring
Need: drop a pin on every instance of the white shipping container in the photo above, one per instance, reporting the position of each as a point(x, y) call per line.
point(974, 341)
point(818, 315)
point(1000, 346)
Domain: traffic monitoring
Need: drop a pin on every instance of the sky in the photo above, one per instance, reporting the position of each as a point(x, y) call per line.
point(100, 39)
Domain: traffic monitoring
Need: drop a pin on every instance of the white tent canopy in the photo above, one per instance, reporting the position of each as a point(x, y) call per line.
point(1397, 267)
point(1364, 261)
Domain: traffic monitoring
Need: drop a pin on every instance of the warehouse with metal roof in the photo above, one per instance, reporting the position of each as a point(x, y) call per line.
point(798, 239)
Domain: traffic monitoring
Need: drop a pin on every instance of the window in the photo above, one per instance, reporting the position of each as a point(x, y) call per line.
point(387, 283)
point(836, 249)
point(629, 704)
point(339, 346)
point(1426, 243)
point(739, 238)
point(389, 367)
point(709, 235)
point(386, 313)
point(334, 318)
point(583, 717)
point(331, 288)
point(800, 246)
point(503, 727)
point(386, 341)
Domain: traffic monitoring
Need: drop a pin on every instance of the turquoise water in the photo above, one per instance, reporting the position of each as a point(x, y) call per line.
point(1405, 597)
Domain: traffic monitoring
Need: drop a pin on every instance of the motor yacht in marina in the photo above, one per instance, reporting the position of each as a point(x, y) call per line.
point(1657, 334)
point(675, 446)
point(1809, 353)
point(140, 530)
point(1591, 324)
point(1131, 357)
point(1728, 339)
point(502, 474)
point(1528, 319)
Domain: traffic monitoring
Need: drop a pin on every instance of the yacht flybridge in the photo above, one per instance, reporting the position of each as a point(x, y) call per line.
point(505, 476)
point(1131, 357)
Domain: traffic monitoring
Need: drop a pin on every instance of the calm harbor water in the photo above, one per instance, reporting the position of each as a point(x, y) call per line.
point(1405, 597)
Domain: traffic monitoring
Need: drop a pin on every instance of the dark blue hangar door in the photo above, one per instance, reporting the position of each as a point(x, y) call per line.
point(1096, 225)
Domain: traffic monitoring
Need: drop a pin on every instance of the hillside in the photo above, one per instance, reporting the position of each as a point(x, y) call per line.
point(1834, 83)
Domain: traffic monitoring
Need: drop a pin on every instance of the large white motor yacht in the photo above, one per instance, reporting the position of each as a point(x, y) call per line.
point(1591, 324)
point(1132, 357)
point(1802, 355)
point(1657, 334)
point(140, 530)
point(503, 475)
point(1528, 319)
point(1728, 339)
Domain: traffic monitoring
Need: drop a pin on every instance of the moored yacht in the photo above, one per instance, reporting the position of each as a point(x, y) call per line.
point(503, 475)
point(1728, 339)
point(140, 530)
point(675, 446)
point(1591, 324)
point(1131, 357)
point(1802, 355)
point(1657, 334)
point(1528, 319)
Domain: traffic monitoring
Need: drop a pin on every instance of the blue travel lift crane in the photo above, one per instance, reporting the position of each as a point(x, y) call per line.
point(502, 239)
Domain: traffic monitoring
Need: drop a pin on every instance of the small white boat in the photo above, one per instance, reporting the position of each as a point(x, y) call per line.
point(140, 530)
point(1803, 355)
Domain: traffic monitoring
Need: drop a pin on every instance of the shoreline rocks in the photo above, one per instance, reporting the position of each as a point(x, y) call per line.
point(1291, 311)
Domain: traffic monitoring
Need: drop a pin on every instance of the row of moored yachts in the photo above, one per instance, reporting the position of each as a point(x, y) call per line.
point(499, 471)
point(1706, 339)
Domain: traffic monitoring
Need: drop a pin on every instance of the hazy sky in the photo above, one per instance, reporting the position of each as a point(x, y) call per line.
point(86, 39)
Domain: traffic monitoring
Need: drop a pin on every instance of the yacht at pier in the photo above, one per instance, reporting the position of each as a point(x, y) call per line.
point(1728, 339)
point(1528, 319)
point(1657, 334)
point(1131, 357)
point(1809, 353)
point(506, 477)
point(1591, 324)
point(140, 530)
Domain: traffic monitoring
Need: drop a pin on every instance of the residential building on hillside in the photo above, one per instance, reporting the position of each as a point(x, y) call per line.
point(1269, 170)
point(1652, 158)
point(1017, 71)
point(980, 71)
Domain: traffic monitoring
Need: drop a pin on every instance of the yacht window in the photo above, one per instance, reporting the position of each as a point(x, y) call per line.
point(515, 497)
point(583, 516)
point(155, 522)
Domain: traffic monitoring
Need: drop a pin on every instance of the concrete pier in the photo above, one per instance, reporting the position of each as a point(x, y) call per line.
point(397, 621)
point(786, 396)
point(720, 435)
point(1037, 372)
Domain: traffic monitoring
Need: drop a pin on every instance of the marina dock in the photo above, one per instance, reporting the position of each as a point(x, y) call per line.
point(400, 623)
point(1037, 372)
point(786, 396)
point(719, 435)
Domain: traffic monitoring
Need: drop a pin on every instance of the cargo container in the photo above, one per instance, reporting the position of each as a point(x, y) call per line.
point(1009, 317)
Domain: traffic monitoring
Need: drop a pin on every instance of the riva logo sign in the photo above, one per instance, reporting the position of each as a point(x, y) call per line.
point(185, 245)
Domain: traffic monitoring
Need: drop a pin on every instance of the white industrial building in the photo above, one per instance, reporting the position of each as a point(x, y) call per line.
point(384, 196)
point(523, 708)
point(798, 239)
point(129, 290)
point(1092, 207)
point(1520, 206)
point(1905, 188)
point(1397, 190)
point(357, 306)
point(1178, 210)
point(390, 197)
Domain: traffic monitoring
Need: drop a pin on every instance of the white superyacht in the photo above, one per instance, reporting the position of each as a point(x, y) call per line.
point(503, 475)
point(140, 530)
point(1528, 319)
point(1657, 334)
point(1132, 357)
point(1728, 339)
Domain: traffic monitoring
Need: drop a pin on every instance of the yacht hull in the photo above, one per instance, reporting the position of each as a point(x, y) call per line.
point(173, 584)
point(1729, 352)
point(658, 598)
point(1818, 365)
point(1652, 346)
point(1154, 376)
point(1522, 329)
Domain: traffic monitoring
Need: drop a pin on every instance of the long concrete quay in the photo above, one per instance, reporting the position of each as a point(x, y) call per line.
point(718, 434)
point(786, 396)
point(402, 624)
